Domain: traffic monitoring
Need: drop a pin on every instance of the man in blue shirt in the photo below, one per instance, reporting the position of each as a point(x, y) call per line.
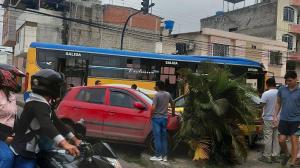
point(288, 100)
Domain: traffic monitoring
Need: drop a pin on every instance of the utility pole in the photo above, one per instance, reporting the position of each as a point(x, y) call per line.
point(65, 33)
point(145, 9)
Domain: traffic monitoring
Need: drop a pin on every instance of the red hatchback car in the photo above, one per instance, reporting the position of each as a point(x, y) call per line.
point(112, 113)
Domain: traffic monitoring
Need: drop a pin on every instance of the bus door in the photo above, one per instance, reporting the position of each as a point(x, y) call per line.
point(75, 70)
point(168, 75)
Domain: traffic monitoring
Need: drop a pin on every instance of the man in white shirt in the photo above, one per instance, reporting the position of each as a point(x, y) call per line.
point(268, 100)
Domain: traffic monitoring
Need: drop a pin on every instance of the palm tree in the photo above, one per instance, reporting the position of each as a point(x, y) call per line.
point(216, 106)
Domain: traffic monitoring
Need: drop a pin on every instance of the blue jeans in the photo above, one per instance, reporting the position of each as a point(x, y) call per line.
point(6, 156)
point(159, 129)
point(21, 162)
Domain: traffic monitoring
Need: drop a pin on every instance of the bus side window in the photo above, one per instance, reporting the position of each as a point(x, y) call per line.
point(47, 61)
point(100, 60)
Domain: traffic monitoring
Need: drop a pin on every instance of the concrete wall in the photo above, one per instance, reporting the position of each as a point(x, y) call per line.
point(118, 15)
point(31, 27)
point(3, 58)
point(9, 27)
point(80, 34)
point(169, 43)
point(25, 36)
point(256, 20)
point(48, 28)
point(142, 33)
point(136, 37)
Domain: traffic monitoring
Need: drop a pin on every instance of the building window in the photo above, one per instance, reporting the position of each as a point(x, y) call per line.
point(288, 14)
point(288, 39)
point(275, 58)
point(233, 29)
point(220, 50)
point(18, 37)
point(181, 48)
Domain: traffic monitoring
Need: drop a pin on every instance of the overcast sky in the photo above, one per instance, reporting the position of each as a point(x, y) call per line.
point(185, 13)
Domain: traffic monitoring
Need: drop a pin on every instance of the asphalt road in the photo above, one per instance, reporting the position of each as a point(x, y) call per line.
point(130, 157)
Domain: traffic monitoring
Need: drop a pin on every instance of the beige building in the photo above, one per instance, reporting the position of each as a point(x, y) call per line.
point(273, 19)
point(271, 53)
point(21, 28)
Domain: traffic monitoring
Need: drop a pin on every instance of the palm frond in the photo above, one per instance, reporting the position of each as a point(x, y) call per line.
point(215, 108)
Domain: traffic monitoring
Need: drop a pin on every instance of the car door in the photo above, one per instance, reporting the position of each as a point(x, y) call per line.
point(89, 105)
point(122, 121)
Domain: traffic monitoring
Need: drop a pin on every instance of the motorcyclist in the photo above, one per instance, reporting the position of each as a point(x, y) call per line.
point(39, 120)
point(8, 109)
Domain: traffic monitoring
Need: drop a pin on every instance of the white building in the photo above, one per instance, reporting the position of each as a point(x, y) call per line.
point(5, 57)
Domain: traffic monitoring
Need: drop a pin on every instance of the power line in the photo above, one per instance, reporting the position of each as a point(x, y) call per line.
point(96, 25)
point(174, 12)
point(151, 35)
point(206, 47)
point(132, 32)
point(238, 52)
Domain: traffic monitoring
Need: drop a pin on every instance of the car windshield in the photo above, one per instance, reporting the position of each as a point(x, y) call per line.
point(145, 97)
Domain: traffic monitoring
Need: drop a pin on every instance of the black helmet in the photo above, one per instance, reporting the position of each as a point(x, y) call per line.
point(8, 75)
point(47, 82)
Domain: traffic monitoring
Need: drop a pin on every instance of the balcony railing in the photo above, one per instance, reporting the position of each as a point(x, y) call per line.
point(294, 28)
point(294, 56)
point(295, 2)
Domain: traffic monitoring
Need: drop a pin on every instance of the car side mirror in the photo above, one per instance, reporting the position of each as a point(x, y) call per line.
point(139, 106)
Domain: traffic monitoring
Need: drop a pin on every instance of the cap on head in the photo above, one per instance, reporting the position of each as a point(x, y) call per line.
point(47, 82)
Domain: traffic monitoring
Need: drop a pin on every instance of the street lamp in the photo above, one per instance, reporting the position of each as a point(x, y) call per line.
point(144, 9)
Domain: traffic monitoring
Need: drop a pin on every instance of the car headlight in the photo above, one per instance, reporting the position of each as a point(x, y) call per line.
point(114, 162)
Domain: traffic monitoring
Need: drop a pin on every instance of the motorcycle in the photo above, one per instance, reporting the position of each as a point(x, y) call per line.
point(98, 155)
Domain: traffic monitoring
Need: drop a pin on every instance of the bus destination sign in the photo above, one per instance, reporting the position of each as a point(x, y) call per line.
point(73, 54)
point(171, 62)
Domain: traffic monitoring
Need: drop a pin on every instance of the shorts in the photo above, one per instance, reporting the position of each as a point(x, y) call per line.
point(288, 128)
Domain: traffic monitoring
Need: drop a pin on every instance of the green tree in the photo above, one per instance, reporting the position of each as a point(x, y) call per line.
point(216, 106)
